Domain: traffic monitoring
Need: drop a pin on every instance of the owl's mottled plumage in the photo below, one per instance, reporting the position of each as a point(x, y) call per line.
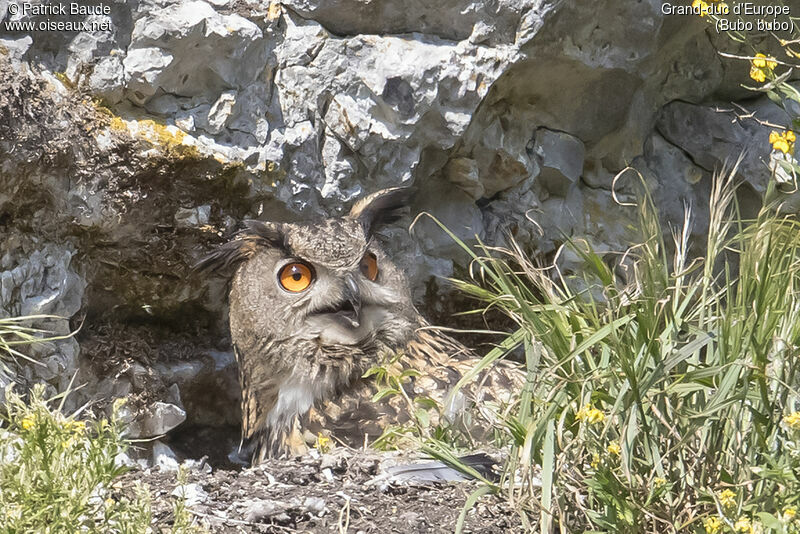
point(302, 355)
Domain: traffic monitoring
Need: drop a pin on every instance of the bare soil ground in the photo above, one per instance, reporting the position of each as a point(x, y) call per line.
point(343, 491)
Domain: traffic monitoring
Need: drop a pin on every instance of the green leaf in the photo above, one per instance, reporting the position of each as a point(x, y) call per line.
point(423, 417)
point(385, 393)
point(470, 502)
point(548, 469)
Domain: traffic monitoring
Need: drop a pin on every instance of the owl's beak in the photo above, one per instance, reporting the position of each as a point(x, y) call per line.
point(353, 294)
point(341, 322)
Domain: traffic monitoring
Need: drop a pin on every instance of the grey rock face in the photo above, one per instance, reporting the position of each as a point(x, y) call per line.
point(511, 117)
point(159, 419)
point(188, 49)
point(457, 20)
point(561, 158)
point(42, 281)
point(378, 100)
point(714, 136)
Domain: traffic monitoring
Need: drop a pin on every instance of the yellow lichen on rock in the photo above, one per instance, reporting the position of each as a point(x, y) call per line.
point(169, 138)
point(118, 124)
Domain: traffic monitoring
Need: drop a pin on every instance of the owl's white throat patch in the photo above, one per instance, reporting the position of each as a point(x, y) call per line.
point(293, 399)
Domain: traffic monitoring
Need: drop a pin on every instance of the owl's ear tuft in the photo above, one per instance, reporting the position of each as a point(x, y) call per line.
point(243, 246)
point(382, 207)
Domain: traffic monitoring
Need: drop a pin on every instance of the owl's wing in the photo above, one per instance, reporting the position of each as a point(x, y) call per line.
point(477, 405)
point(262, 438)
point(260, 387)
point(441, 361)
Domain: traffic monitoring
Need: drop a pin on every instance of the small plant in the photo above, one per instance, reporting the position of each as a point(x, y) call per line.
point(773, 76)
point(183, 521)
point(57, 472)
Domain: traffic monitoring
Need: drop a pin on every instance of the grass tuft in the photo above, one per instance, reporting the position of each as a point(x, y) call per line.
point(664, 402)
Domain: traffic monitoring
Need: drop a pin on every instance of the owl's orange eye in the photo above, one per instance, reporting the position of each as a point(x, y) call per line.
point(296, 277)
point(369, 266)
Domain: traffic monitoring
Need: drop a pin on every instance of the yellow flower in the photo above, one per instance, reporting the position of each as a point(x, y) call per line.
point(789, 513)
point(713, 525)
point(659, 481)
point(758, 75)
point(324, 443)
point(727, 498)
point(760, 65)
point(590, 415)
point(781, 145)
point(77, 427)
point(783, 141)
point(614, 448)
point(595, 460)
point(704, 7)
point(761, 61)
point(743, 525)
point(27, 422)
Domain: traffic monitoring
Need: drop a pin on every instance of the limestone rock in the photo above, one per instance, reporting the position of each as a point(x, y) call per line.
point(188, 49)
point(561, 157)
point(676, 183)
point(43, 283)
point(464, 173)
point(16, 48)
point(189, 217)
point(156, 420)
point(164, 457)
point(463, 218)
point(480, 22)
point(716, 136)
point(379, 98)
point(192, 494)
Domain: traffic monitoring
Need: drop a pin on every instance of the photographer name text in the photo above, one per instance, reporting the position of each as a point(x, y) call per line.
point(73, 8)
point(100, 14)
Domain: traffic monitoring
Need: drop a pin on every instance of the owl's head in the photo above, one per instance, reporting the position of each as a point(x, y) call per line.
point(328, 282)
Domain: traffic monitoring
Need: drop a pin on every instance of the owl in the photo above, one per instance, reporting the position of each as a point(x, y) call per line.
point(313, 307)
